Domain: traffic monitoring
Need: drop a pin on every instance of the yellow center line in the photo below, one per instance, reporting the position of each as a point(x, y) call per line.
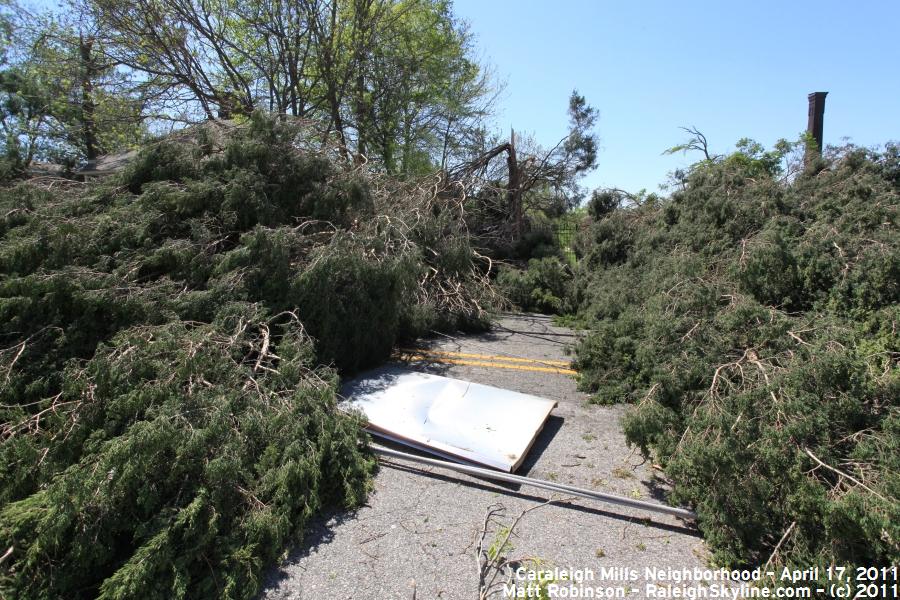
point(490, 357)
point(480, 363)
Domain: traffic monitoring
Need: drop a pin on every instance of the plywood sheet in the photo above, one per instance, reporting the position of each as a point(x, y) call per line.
point(450, 417)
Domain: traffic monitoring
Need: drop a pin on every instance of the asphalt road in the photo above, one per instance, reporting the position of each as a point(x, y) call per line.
point(417, 537)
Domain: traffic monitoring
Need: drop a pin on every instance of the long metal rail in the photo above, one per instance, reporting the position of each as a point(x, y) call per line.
point(538, 483)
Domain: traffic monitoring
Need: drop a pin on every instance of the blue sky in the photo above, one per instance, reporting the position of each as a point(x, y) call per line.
point(731, 69)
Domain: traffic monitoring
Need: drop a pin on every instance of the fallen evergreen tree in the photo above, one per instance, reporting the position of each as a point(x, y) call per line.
point(169, 347)
point(752, 321)
point(544, 287)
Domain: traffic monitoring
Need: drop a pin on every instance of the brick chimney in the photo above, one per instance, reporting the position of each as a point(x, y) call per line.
point(816, 118)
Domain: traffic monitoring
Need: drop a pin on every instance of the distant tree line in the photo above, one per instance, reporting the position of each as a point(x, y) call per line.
point(390, 80)
point(392, 84)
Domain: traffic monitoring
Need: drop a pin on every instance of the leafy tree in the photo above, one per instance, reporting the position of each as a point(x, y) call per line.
point(580, 147)
point(387, 79)
point(424, 90)
point(62, 100)
point(603, 202)
point(774, 162)
point(5, 29)
point(24, 113)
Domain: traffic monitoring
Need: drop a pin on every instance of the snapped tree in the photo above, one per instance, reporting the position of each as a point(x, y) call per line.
point(537, 179)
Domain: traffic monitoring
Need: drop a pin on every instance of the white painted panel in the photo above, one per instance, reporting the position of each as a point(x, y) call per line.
point(450, 417)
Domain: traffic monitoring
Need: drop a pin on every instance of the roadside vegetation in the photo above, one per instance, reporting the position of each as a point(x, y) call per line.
point(171, 343)
point(172, 335)
point(751, 319)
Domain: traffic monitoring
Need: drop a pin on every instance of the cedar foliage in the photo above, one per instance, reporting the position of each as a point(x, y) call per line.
point(182, 468)
point(168, 406)
point(544, 287)
point(752, 321)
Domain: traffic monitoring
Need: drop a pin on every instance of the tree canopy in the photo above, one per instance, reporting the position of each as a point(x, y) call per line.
point(390, 80)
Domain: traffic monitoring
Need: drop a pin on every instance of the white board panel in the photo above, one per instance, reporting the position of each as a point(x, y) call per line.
point(450, 417)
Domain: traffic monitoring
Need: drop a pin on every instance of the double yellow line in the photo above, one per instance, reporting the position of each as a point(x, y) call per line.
point(488, 360)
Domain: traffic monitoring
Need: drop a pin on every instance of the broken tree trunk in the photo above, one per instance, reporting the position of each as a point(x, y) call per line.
point(88, 125)
point(514, 187)
point(516, 177)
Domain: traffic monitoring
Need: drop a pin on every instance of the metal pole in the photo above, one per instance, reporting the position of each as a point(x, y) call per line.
point(538, 483)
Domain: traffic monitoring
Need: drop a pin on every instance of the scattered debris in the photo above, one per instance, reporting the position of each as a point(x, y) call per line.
point(539, 483)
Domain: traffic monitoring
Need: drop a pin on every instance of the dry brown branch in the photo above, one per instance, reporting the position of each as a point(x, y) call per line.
point(798, 338)
point(713, 386)
point(778, 546)
point(32, 423)
point(264, 349)
point(843, 474)
point(12, 364)
point(492, 562)
point(690, 331)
